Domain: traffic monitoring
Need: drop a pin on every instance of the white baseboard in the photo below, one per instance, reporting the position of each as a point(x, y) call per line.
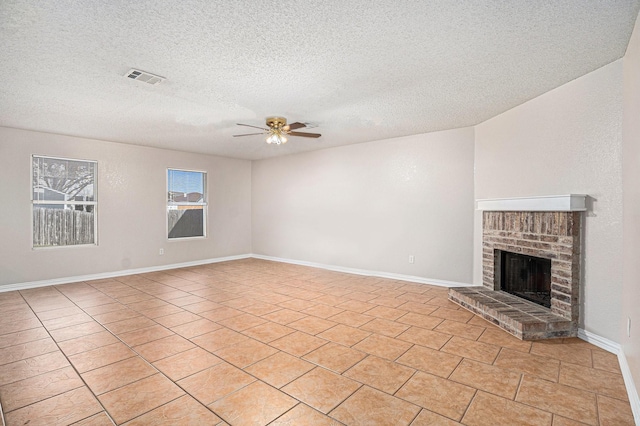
point(616, 348)
point(400, 277)
point(103, 275)
point(632, 391)
point(599, 341)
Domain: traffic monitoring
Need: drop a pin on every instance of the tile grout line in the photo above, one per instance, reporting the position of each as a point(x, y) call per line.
point(121, 341)
point(317, 366)
point(475, 394)
point(257, 361)
point(148, 363)
point(521, 379)
point(66, 358)
point(343, 400)
point(553, 414)
point(417, 414)
point(175, 382)
point(597, 409)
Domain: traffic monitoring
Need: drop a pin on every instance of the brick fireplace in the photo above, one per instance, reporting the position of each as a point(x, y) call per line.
point(537, 230)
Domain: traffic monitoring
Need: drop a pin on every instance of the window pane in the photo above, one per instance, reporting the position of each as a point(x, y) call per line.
point(186, 203)
point(64, 201)
point(185, 186)
point(57, 179)
point(185, 221)
point(60, 225)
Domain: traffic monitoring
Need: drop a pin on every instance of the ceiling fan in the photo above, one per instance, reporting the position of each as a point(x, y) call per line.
point(277, 130)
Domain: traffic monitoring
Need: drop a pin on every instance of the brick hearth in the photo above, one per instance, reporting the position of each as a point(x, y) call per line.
point(550, 235)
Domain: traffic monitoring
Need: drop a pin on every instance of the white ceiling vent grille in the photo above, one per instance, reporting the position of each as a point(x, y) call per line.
point(143, 76)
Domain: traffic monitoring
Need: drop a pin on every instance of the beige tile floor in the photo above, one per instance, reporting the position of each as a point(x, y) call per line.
point(252, 342)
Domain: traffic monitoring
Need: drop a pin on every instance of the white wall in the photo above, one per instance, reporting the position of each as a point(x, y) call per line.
point(631, 211)
point(131, 208)
point(369, 206)
point(568, 140)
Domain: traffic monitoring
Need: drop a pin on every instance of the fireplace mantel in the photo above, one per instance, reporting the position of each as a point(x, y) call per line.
point(550, 203)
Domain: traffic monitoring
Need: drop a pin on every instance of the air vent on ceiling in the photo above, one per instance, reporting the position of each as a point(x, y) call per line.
point(143, 76)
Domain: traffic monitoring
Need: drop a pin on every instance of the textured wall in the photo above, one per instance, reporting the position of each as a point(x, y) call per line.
point(131, 208)
point(371, 205)
point(631, 185)
point(568, 140)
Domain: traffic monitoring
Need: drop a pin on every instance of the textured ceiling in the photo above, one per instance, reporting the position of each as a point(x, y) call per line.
point(360, 70)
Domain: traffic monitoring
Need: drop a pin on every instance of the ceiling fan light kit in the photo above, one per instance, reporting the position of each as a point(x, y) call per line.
point(277, 130)
point(277, 138)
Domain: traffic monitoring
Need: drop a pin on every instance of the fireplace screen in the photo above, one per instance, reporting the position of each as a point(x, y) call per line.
point(527, 277)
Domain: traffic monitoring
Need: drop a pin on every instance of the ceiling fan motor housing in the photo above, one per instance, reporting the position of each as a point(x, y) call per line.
point(276, 122)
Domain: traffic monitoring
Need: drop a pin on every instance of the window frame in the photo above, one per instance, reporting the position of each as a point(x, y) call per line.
point(93, 203)
point(204, 204)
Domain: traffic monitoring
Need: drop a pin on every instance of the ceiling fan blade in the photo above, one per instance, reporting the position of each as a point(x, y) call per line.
point(305, 135)
point(248, 134)
point(255, 127)
point(296, 125)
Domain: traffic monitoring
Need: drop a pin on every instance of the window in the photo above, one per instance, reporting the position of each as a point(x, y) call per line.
point(64, 201)
point(186, 203)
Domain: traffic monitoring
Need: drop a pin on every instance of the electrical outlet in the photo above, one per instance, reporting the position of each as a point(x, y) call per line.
point(628, 327)
point(161, 252)
point(411, 258)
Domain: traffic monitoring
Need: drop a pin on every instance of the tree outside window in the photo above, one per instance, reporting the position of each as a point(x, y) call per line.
point(64, 194)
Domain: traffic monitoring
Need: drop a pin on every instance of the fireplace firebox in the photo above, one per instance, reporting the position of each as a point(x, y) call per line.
point(528, 277)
